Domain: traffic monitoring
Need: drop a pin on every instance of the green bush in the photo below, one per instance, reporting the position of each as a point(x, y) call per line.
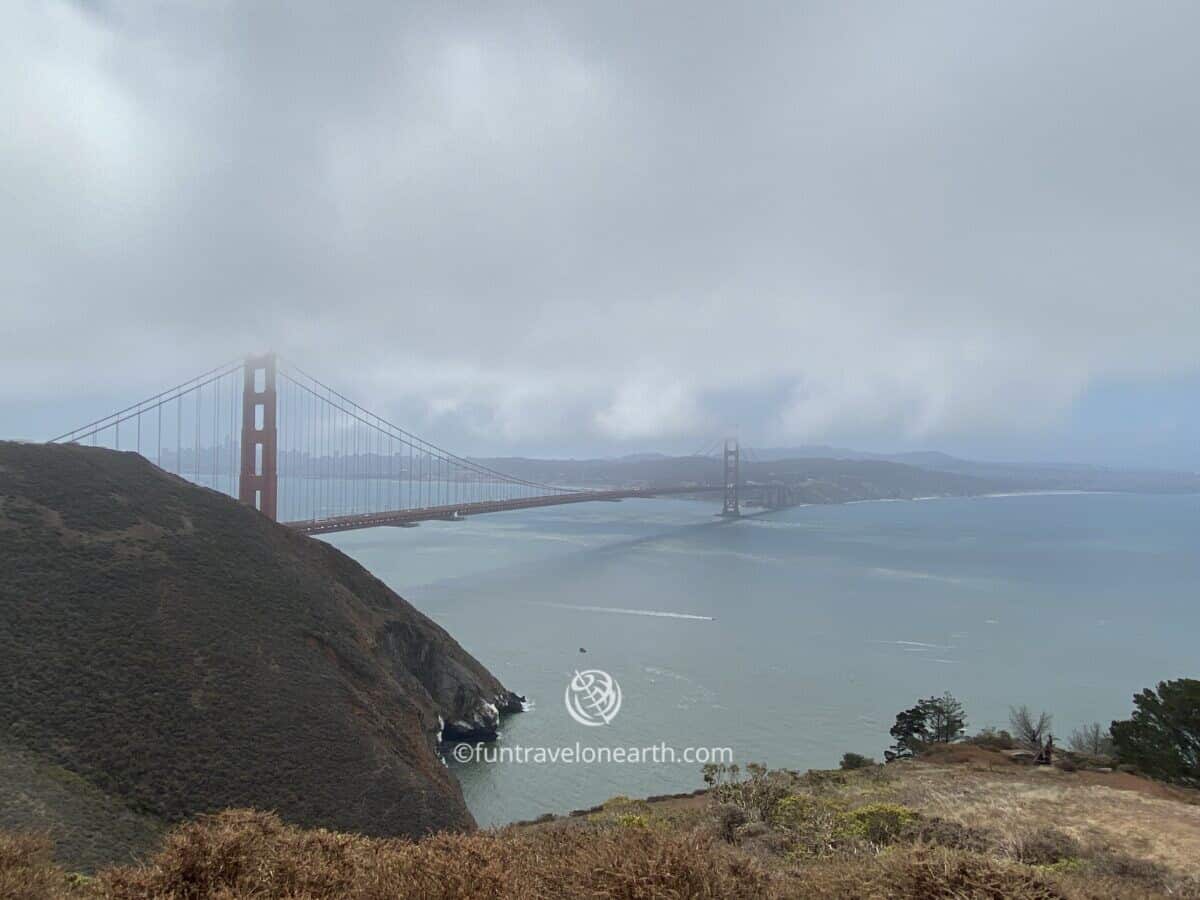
point(856, 761)
point(878, 823)
point(815, 823)
point(797, 810)
point(993, 739)
point(757, 794)
point(825, 824)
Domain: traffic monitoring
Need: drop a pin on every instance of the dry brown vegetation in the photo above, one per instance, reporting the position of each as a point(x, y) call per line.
point(980, 827)
point(243, 853)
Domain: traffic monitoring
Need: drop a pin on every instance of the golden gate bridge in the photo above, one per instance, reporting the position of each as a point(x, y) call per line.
point(269, 434)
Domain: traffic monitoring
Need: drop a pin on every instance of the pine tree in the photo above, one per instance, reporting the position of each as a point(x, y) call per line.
point(945, 719)
point(910, 734)
point(1163, 736)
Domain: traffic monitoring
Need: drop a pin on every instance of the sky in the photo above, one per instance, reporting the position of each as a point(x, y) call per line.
point(590, 229)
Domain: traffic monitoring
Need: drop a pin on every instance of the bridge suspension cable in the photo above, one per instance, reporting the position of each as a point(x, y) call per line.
point(338, 459)
point(276, 438)
point(270, 434)
point(192, 427)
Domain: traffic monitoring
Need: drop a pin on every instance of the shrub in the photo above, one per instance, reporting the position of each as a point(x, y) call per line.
point(822, 825)
point(249, 854)
point(796, 810)
point(757, 793)
point(938, 874)
point(617, 802)
point(878, 823)
point(993, 740)
point(816, 823)
point(941, 832)
point(1045, 846)
point(27, 870)
point(633, 820)
point(728, 819)
point(856, 761)
point(821, 781)
point(1153, 875)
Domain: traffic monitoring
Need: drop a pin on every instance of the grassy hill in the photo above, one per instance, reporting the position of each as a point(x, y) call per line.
point(165, 651)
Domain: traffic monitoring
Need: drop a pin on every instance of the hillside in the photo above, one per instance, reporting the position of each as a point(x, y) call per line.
point(967, 823)
point(834, 475)
point(165, 651)
point(1044, 476)
point(816, 480)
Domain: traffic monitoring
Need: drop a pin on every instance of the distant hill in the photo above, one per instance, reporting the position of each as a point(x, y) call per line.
point(165, 651)
point(835, 474)
point(1018, 475)
point(817, 480)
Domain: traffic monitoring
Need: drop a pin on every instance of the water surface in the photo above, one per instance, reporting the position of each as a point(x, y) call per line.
point(822, 622)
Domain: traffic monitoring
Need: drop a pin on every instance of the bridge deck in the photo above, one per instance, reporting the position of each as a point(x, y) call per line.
point(442, 513)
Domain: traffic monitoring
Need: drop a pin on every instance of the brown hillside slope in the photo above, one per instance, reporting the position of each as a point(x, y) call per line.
point(182, 653)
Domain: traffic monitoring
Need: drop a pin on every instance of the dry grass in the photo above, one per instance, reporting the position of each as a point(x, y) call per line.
point(912, 830)
point(27, 870)
point(250, 854)
point(1018, 803)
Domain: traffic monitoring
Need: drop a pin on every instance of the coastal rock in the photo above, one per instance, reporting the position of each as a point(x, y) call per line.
point(469, 699)
point(479, 718)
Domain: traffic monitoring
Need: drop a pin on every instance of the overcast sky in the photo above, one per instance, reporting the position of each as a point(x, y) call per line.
point(574, 228)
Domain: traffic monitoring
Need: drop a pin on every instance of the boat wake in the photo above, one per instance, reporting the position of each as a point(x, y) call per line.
point(629, 612)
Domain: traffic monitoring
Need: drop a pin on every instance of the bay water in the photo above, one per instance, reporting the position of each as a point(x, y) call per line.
point(791, 637)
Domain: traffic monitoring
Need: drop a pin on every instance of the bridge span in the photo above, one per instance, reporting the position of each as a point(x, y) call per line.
point(401, 517)
point(267, 433)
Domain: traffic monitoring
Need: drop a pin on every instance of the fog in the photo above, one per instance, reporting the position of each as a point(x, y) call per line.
point(580, 228)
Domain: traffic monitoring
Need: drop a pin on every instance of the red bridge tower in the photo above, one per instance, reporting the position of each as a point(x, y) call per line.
point(258, 485)
point(731, 508)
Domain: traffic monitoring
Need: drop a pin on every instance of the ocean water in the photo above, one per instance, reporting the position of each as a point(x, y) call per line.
point(795, 636)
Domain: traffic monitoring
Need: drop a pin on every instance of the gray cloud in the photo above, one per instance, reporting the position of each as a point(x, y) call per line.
point(524, 225)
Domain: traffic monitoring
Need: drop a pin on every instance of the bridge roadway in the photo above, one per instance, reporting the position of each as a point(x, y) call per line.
point(457, 510)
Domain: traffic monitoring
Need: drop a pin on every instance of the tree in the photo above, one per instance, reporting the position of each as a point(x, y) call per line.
point(1162, 738)
point(945, 719)
point(1093, 739)
point(1027, 729)
point(934, 720)
point(910, 733)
